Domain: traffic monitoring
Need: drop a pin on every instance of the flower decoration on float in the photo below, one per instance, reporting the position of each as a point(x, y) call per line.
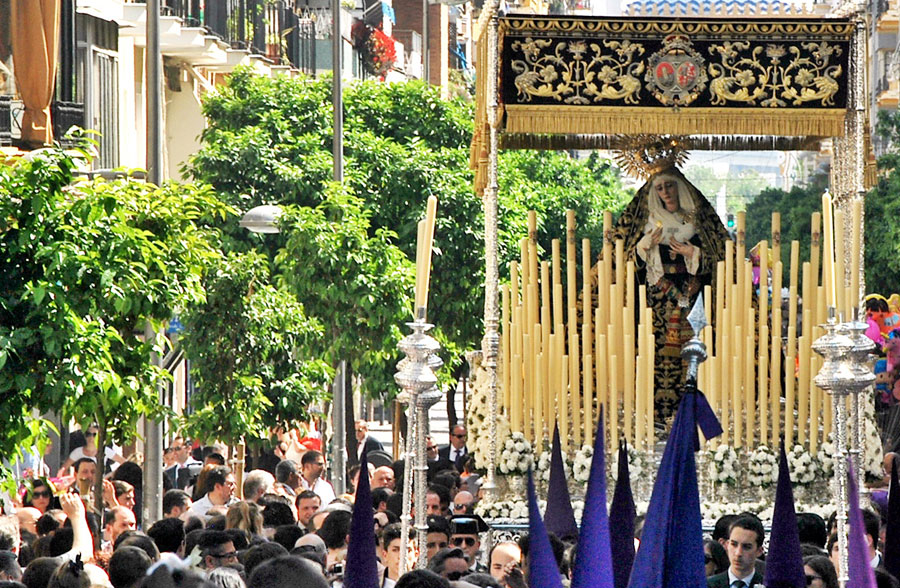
point(723, 465)
point(762, 467)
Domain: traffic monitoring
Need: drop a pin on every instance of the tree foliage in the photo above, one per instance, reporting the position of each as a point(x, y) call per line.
point(882, 236)
point(796, 208)
point(87, 266)
point(250, 345)
point(269, 141)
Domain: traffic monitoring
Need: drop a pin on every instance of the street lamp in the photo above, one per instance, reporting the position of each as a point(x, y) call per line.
point(264, 219)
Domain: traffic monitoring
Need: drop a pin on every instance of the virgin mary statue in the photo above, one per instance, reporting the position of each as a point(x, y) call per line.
point(675, 239)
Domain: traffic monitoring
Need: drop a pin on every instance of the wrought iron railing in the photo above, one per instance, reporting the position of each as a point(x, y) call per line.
point(277, 29)
point(65, 115)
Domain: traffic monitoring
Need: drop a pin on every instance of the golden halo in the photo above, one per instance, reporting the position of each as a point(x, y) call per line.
point(641, 156)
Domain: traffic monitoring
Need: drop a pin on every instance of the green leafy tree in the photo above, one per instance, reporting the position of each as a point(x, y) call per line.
point(744, 188)
point(704, 178)
point(88, 267)
point(249, 345)
point(882, 236)
point(269, 141)
point(796, 208)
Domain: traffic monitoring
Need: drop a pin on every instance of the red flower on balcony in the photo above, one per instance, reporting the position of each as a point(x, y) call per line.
point(377, 50)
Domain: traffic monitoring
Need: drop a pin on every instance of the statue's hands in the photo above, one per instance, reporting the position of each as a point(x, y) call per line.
point(686, 250)
point(651, 239)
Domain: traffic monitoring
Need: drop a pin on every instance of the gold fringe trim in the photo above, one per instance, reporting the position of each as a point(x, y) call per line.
point(591, 120)
point(696, 142)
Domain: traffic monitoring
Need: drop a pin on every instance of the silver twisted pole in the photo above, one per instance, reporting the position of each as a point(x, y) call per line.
point(834, 378)
point(490, 344)
point(863, 379)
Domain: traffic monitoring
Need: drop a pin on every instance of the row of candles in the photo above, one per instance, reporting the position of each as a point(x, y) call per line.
point(566, 350)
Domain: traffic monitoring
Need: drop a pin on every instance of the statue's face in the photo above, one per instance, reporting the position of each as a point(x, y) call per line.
point(667, 190)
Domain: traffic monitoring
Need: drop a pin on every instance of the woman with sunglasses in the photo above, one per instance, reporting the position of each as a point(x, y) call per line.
point(40, 495)
point(819, 572)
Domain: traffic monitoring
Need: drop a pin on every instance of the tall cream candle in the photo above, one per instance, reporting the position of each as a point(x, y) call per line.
point(428, 243)
point(790, 400)
point(840, 277)
point(815, 245)
point(750, 404)
point(737, 398)
point(803, 389)
point(557, 281)
point(628, 352)
point(564, 403)
point(506, 356)
point(828, 277)
point(762, 392)
point(574, 384)
point(613, 405)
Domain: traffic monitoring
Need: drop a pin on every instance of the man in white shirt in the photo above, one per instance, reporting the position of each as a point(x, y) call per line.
point(220, 495)
point(456, 451)
point(311, 469)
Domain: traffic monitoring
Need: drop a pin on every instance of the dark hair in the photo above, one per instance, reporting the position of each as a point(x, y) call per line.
point(193, 523)
point(47, 523)
point(395, 503)
point(78, 463)
point(750, 524)
point(723, 527)
point(128, 565)
point(438, 524)
point(216, 475)
point(718, 554)
point(287, 535)
point(174, 498)
point(306, 495)
point(873, 525)
point(884, 579)
point(287, 571)
point(11, 584)
point(310, 457)
point(822, 566)
point(276, 514)
point(380, 495)
point(140, 540)
point(335, 529)
point(447, 480)
point(168, 534)
point(438, 561)
point(214, 457)
point(61, 541)
point(240, 538)
point(388, 534)
point(210, 539)
point(442, 491)
point(261, 553)
point(811, 529)
point(191, 540)
point(9, 565)
point(556, 545)
point(39, 572)
point(422, 579)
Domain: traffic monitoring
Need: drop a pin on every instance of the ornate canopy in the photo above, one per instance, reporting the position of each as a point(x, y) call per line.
point(583, 82)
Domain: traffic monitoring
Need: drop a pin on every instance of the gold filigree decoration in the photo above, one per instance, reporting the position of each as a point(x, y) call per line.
point(761, 76)
point(577, 72)
point(641, 156)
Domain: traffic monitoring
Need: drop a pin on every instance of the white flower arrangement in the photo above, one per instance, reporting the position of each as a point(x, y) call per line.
point(872, 446)
point(712, 511)
point(826, 456)
point(804, 469)
point(639, 465)
point(478, 418)
point(762, 467)
point(542, 469)
point(722, 465)
point(505, 509)
point(516, 455)
point(581, 465)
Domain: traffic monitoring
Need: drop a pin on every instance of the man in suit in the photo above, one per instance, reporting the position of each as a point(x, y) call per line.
point(744, 546)
point(363, 441)
point(456, 452)
point(185, 468)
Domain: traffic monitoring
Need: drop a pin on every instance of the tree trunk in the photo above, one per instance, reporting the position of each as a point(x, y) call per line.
point(101, 463)
point(349, 419)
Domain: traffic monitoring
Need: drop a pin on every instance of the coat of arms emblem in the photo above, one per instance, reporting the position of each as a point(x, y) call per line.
point(676, 73)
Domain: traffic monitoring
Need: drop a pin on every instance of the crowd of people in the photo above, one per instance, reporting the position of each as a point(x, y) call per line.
point(291, 529)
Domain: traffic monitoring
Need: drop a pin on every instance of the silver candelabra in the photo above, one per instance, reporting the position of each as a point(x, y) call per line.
point(416, 377)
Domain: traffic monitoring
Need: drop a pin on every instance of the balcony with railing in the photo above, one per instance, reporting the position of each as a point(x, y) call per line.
point(284, 32)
